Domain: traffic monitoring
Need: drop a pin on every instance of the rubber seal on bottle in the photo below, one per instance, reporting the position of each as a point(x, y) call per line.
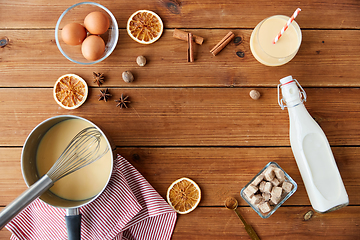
point(282, 102)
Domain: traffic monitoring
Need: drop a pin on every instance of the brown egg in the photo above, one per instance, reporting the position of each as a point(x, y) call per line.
point(73, 34)
point(96, 23)
point(93, 47)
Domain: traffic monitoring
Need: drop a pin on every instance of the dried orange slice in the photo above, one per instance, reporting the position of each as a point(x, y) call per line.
point(70, 91)
point(145, 26)
point(183, 195)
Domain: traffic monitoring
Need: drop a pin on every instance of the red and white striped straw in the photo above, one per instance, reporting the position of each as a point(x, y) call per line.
point(286, 25)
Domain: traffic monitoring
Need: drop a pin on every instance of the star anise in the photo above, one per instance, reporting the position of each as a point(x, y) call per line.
point(99, 78)
point(122, 101)
point(104, 94)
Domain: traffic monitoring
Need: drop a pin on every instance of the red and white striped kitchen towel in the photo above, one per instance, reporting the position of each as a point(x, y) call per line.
point(129, 208)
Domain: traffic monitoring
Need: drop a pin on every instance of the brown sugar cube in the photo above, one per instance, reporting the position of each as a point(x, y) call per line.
point(280, 175)
point(264, 207)
point(267, 187)
point(266, 196)
point(287, 186)
point(256, 199)
point(275, 182)
point(276, 194)
point(269, 174)
point(257, 180)
point(261, 186)
point(274, 200)
point(250, 191)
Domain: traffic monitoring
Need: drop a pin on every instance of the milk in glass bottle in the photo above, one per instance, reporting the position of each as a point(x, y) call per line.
point(312, 151)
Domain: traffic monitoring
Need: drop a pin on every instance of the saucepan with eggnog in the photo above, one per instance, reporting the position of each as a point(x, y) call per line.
point(82, 140)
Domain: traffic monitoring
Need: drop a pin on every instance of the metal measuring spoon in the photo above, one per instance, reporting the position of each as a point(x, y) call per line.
point(232, 204)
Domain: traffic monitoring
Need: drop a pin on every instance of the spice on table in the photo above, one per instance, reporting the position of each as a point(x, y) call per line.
point(255, 94)
point(308, 215)
point(190, 51)
point(183, 195)
point(104, 95)
point(141, 61)
point(127, 76)
point(99, 78)
point(145, 26)
point(3, 42)
point(179, 34)
point(222, 44)
point(237, 40)
point(240, 54)
point(70, 91)
point(122, 102)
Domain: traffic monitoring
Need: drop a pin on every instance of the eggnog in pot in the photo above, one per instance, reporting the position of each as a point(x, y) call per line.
point(285, 49)
point(84, 183)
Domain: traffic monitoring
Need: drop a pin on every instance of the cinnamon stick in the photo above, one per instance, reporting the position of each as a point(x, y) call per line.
point(179, 34)
point(190, 52)
point(225, 41)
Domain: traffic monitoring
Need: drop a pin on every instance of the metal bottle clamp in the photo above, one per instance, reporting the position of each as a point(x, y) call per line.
point(282, 101)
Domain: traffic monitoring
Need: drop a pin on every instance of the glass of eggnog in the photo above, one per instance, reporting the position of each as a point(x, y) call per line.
point(281, 52)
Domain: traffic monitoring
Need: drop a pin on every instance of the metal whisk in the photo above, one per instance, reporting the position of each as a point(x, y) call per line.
point(83, 150)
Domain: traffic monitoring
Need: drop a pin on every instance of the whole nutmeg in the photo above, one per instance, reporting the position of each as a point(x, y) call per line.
point(141, 61)
point(254, 94)
point(128, 76)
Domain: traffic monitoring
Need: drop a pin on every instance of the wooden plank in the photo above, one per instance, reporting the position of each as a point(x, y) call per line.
point(12, 182)
point(325, 58)
point(220, 172)
point(204, 14)
point(186, 116)
point(223, 172)
point(287, 222)
point(4, 234)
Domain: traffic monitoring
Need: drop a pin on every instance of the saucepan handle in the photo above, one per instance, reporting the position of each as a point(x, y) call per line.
point(73, 223)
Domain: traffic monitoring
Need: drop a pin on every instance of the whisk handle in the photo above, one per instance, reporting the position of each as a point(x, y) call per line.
point(25, 199)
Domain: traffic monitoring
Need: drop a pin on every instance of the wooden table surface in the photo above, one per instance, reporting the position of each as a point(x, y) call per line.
point(197, 119)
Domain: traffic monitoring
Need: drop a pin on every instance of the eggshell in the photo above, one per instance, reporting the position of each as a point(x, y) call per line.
point(73, 34)
point(96, 23)
point(93, 47)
